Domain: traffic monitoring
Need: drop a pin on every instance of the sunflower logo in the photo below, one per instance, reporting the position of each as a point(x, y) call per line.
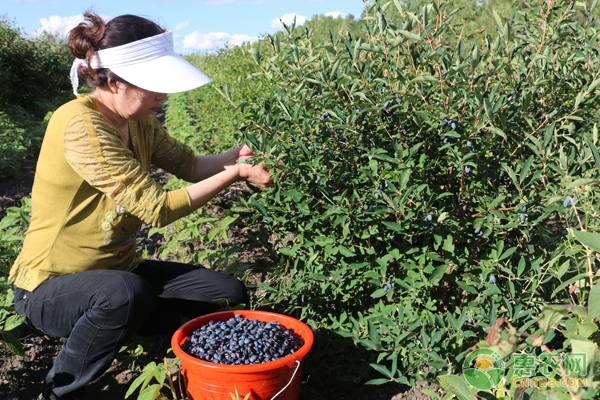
point(483, 369)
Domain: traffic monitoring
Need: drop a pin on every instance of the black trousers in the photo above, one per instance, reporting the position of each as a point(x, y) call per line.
point(99, 310)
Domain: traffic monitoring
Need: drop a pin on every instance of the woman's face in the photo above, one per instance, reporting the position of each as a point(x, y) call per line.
point(136, 103)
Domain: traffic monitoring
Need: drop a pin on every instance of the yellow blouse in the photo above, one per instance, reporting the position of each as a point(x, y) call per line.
point(91, 194)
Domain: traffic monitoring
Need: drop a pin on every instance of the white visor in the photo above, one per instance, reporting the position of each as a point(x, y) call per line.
point(150, 64)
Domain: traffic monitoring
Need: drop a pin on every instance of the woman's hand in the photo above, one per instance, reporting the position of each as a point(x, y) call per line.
point(253, 174)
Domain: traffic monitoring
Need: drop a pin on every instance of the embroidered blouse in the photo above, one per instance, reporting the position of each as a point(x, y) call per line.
point(91, 194)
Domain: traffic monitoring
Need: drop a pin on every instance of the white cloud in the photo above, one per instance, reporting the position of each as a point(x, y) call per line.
point(288, 19)
point(61, 25)
point(182, 25)
point(214, 40)
point(335, 14)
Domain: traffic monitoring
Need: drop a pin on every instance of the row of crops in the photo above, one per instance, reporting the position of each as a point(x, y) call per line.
point(441, 189)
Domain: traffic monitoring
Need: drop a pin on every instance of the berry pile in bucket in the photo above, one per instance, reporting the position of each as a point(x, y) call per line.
point(240, 341)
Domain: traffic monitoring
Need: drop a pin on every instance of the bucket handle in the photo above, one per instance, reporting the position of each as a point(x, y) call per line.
point(291, 380)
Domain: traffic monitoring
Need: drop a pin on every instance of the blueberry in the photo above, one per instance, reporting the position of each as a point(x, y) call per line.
point(493, 279)
point(467, 169)
point(429, 217)
point(453, 125)
point(469, 144)
point(524, 208)
point(522, 217)
point(477, 230)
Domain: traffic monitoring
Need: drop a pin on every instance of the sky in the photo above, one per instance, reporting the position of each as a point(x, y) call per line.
point(197, 25)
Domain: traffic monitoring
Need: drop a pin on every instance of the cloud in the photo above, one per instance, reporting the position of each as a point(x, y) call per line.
point(61, 25)
point(182, 25)
point(214, 40)
point(335, 14)
point(288, 19)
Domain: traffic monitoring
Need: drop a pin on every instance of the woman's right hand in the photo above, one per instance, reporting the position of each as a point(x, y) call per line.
point(256, 175)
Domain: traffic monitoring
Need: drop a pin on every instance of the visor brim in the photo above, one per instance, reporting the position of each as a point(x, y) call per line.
point(170, 73)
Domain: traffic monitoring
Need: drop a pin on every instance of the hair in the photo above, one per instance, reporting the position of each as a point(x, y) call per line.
point(94, 34)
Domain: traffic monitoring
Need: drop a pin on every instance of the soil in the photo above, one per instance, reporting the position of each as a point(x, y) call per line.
point(21, 377)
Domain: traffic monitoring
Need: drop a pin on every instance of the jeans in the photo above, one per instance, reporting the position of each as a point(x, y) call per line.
point(98, 310)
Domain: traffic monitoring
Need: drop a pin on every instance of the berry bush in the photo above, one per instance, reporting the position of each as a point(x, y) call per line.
point(428, 181)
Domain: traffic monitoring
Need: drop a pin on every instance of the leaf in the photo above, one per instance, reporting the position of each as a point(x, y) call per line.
point(410, 35)
point(393, 226)
point(579, 98)
point(287, 252)
point(552, 315)
point(594, 302)
point(581, 182)
point(150, 393)
point(13, 343)
point(430, 393)
point(589, 239)
point(260, 207)
point(456, 385)
point(382, 369)
point(346, 252)
point(379, 381)
point(588, 348)
point(13, 322)
point(294, 194)
point(525, 169)
point(373, 333)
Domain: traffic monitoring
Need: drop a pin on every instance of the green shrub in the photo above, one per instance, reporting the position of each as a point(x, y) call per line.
point(12, 234)
point(32, 71)
point(429, 185)
point(202, 118)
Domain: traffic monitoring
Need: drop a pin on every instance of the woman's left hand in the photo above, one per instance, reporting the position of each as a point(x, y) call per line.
point(253, 174)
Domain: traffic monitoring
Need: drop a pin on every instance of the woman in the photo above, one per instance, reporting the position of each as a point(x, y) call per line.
point(78, 275)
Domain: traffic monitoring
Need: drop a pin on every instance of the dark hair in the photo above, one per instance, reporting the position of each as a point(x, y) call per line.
point(93, 35)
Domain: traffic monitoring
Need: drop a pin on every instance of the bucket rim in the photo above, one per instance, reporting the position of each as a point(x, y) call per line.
point(183, 332)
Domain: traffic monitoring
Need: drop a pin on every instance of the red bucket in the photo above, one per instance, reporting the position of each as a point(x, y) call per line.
point(278, 379)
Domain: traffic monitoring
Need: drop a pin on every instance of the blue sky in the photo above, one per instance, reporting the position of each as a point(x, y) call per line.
point(198, 25)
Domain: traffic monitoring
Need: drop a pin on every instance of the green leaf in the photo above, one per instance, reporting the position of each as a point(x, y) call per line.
point(287, 252)
point(581, 182)
point(260, 207)
point(13, 322)
point(346, 252)
point(150, 393)
point(552, 315)
point(393, 226)
point(431, 394)
point(579, 98)
point(589, 239)
point(13, 343)
point(382, 370)
point(410, 35)
point(525, 169)
point(294, 194)
point(456, 385)
point(378, 381)
point(594, 302)
point(588, 348)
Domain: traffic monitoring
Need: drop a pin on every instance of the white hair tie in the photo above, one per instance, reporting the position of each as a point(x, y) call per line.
point(74, 76)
